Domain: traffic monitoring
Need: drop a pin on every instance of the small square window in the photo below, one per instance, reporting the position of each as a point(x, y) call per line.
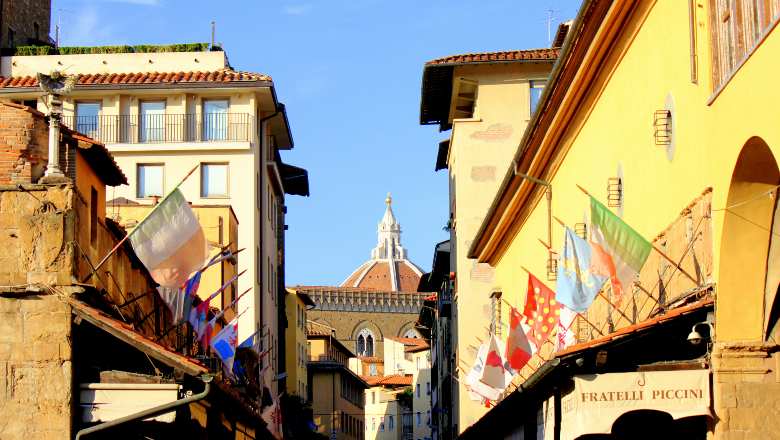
point(150, 180)
point(213, 180)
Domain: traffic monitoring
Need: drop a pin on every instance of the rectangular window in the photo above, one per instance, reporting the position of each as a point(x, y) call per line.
point(428, 388)
point(93, 214)
point(390, 423)
point(372, 370)
point(151, 124)
point(419, 419)
point(535, 89)
point(150, 180)
point(213, 180)
point(87, 116)
point(215, 119)
point(418, 390)
point(737, 27)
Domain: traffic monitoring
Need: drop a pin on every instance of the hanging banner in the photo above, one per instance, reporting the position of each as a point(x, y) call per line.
point(598, 400)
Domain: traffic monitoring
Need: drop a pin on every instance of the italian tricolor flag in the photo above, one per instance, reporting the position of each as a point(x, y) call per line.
point(170, 242)
point(619, 252)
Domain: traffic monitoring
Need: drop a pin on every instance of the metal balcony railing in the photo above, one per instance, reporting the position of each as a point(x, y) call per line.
point(165, 128)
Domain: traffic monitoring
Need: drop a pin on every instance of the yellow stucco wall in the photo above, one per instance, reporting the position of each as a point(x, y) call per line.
point(612, 136)
point(480, 151)
point(295, 351)
point(327, 404)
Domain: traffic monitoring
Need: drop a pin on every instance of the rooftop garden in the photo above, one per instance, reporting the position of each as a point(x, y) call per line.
point(141, 48)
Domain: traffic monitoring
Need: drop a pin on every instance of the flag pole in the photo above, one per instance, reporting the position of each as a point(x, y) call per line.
point(660, 252)
point(127, 236)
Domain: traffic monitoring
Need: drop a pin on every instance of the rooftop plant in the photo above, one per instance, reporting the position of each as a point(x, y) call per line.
point(141, 48)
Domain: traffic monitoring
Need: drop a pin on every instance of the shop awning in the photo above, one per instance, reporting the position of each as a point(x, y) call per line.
point(125, 333)
point(598, 401)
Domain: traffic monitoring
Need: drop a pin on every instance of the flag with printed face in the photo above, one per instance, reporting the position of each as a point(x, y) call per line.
point(544, 316)
point(518, 349)
point(619, 252)
point(170, 241)
point(224, 345)
point(577, 284)
point(566, 333)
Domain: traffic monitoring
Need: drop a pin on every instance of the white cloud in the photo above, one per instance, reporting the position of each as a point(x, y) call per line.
point(301, 9)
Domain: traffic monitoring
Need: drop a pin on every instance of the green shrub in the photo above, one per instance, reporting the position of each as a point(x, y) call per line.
point(33, 50)
point(81, 50)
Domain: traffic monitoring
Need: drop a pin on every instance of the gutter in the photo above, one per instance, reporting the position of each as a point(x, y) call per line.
point(151, 412)
point(530, 129)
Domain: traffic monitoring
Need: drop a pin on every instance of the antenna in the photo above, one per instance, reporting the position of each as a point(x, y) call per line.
point(213, 32)
point(58, 27)
point(549, 20)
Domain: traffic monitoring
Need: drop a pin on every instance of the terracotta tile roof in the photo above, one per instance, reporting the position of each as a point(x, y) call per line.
point(126, 333)
point(498, 57)
point(142, 78)
point(411, 344)
point(347, 289)
point(393, 379)
point(376, 275)
point(317, 329)
point(670, 314)
point(371, 359)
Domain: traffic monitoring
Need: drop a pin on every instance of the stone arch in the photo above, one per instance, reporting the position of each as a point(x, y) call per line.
point(744, 301)
point(406, 328)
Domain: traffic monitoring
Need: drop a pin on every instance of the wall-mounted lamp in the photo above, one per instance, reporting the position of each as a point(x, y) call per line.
point(695, 337)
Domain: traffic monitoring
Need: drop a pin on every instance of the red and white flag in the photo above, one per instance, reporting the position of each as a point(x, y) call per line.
point(518, 349)
point(566, 333)
point(542, 311)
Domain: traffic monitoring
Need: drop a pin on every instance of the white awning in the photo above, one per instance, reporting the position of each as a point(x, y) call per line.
point(102, 402)
point(597, 401)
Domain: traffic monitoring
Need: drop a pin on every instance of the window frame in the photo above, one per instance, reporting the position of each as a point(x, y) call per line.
point(142, 127)
point(138, 179)
point(96, 132)
point(203, 166)
point(204, 118)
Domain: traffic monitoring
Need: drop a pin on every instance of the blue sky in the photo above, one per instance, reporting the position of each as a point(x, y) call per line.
point(349, 72)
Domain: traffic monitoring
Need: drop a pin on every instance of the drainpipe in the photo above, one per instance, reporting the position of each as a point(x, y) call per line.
point(151, 412)
point(262, 225)
point(548, 195)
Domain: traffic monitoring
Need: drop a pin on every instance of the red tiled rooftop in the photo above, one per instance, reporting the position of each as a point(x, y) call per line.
point(393, 379)
point(411, 344)
point(497, 57)
point(218, 76)
point(371, 359)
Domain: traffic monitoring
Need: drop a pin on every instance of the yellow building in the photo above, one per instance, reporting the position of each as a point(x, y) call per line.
point(336, 393)
point(296, 306)
point(388, 412)
point(486, 101)
point(161, 114)
point(663, 110)
point(220, 228)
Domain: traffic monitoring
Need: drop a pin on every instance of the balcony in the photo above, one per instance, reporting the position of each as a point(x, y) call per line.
point(165, 128)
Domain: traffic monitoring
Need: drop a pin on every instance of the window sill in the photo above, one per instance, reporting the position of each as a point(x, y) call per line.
point(466, 120)
point(180, 146)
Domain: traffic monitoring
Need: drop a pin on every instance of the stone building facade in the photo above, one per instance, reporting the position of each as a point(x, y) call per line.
point(24, 22)
point(377, 300)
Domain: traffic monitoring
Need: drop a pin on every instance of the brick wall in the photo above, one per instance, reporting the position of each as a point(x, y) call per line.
point(22, 16)
point(23, 144)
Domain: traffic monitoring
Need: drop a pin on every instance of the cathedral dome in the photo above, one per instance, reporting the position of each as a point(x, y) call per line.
point(388, 269)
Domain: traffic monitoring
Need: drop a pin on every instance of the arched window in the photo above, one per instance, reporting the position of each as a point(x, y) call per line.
point(361, 345)
point(411, 333)
point(365, 343)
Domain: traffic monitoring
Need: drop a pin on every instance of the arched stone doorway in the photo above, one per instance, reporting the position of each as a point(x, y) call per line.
point(748, 220)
